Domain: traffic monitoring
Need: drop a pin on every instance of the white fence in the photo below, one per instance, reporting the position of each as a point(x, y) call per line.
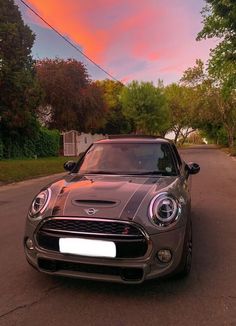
point(75, 143)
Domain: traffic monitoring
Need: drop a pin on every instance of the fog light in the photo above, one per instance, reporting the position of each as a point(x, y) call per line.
point(164, 255)
point(29, 244)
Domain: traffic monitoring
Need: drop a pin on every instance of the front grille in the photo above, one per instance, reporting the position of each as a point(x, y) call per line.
point(91, 227)
point(127, 274)
point(125, 248)
point(129, 240)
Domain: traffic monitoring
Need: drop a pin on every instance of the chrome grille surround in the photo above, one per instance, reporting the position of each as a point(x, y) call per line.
point(58, 224)
point(131, 240)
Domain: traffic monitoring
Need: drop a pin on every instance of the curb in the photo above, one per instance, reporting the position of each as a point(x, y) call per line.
point(39, 178)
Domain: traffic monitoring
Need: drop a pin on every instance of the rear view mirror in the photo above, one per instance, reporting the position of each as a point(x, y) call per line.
point(193, 168)
point(70, 165)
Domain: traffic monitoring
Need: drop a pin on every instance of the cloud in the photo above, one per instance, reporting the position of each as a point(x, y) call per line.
point(129, 37)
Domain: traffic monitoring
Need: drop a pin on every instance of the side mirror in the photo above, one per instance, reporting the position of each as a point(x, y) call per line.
point(193, 168)
point(69, 165)
point(81, 155)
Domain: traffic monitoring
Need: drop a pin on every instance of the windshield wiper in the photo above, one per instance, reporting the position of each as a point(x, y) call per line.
point(162, 173)
point(147, 172)
point(100, 172)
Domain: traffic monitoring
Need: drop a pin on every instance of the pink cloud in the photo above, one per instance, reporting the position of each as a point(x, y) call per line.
point(161, 33)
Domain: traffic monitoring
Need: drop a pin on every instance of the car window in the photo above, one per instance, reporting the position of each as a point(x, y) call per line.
point(129, 158)
point(177, 156)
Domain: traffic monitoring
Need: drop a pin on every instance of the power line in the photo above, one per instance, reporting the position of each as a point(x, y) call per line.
point(69, 42)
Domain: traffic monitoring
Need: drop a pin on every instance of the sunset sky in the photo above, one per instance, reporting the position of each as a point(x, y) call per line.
point(132, 39)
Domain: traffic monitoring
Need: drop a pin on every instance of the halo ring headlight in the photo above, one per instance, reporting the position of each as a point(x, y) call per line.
point(164, 209)
point(40, 202)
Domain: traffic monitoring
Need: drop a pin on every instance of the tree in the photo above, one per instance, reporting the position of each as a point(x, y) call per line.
point(211, 104)
point(215, 133)
point(115, 121)
point(93, 104)
point(71, 101)
point(219, 20)
point(62, 82)
point(146, 105)
point(20, 92)
point(180, 103)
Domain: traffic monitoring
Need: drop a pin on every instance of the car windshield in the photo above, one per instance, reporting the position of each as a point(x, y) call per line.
point(128, 159)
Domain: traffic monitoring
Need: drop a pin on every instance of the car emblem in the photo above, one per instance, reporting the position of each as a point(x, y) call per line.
point(91, 211)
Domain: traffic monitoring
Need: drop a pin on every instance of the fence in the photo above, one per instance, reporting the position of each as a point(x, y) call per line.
point(75, 143)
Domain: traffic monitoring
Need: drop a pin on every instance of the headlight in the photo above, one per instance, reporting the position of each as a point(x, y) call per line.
point(164, 209)
point(40, 202)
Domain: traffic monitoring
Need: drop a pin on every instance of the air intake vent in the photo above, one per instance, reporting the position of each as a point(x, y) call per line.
point(92, 202)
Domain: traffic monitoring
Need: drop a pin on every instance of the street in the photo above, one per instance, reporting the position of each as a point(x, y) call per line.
point(207, 297)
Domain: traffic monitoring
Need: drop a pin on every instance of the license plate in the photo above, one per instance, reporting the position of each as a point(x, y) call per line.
point(87, 247)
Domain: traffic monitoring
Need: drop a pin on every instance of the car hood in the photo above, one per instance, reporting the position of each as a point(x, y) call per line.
point(106, 196)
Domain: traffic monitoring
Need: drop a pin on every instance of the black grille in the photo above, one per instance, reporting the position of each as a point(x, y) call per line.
point(127, 274)
point(88, 226)
point(129, 240)
point(126, 248)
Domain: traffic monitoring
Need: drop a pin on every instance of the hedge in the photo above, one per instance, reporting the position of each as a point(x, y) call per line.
point(1, 149)
point(44, 144)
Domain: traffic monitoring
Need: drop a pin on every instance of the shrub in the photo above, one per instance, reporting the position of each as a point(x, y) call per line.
point(1, 149)
point(233, 151)
point(45, 143)
point(222, 136)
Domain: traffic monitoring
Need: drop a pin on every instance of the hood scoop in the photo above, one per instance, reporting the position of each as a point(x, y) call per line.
point(95, 202)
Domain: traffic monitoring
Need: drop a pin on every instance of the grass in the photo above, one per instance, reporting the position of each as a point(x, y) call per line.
point(185, 145)
point(23, 169)
point(229, 151)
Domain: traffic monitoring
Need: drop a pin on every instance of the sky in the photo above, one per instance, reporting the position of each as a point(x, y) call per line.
point(145, 40)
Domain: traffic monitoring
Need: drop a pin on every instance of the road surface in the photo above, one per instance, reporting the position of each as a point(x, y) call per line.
point(207, 297)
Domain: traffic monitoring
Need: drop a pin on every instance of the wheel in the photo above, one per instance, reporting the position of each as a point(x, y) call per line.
point(186, 260)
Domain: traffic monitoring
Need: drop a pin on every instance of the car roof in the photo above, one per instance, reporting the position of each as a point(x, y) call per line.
point(133, 139)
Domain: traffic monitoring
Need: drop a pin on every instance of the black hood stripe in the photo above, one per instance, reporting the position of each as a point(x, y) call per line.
point(60, 202)
point(133, 204)
point(58, 209)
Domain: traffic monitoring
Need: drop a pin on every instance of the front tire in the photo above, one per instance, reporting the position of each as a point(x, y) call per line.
point(186, 259)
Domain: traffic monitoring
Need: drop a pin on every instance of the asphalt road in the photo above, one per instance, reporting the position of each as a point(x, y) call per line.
point(207, 297)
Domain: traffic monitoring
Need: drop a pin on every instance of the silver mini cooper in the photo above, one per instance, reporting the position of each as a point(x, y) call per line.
point(122, 214)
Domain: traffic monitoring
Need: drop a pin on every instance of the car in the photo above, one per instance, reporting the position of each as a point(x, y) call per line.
point(122, 214)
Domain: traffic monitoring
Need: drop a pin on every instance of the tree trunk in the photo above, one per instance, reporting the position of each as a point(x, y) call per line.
point(177, 131)
point(231, 139)
point(230, 136)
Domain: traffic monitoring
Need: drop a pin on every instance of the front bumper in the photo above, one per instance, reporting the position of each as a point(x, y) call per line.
point(122, 270)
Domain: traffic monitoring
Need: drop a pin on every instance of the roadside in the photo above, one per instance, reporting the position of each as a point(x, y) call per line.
point(229, 151)
point(12, 171)
point(23, 169)
point(37, 181)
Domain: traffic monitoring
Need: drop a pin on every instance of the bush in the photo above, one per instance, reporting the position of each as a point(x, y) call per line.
point(233, 151)
point(1, 149)
point(48, 143)
point(44, 144)
point(222, 136)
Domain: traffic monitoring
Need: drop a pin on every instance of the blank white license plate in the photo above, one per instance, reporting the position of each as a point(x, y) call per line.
point(87, 247)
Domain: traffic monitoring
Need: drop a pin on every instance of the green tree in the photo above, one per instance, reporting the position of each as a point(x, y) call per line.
point(214, 133)
point(180, 101)
point(146, 105)
point(115, 121)
point(219, 20)
point(19, 90)
point(211, 106)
